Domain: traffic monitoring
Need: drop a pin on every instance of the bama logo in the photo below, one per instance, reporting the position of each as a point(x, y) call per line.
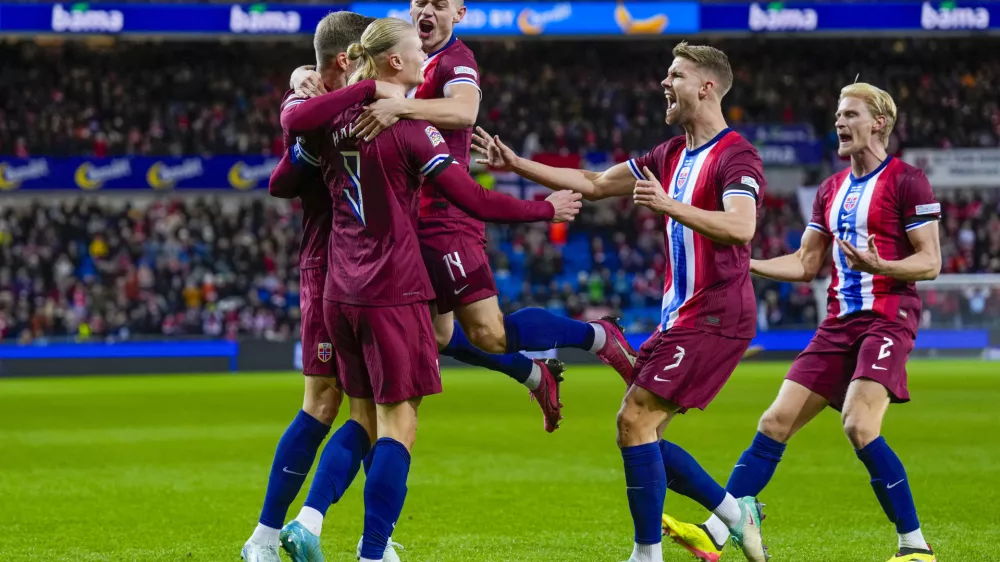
point(949, 16)
point(163, 176)
point(242, 176)
point(90, 176)
point(531, 22)
point(80, 18)
point(11, 176)
point(257, 19)
point(775, 17)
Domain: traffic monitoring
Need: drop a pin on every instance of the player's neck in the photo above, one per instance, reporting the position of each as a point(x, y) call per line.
point(867, 160)
point(703, 128)
point(333, 78)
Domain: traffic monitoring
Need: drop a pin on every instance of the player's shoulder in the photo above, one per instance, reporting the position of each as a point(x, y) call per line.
point(291, 99)
point(459, 50)
point(907, 174)
point(834, 181)
point(670, 147)
point(735, 143)
point(419, 130)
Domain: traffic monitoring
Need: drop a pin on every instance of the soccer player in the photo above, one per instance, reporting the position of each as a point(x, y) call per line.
point(856, 362)
point(713, 179)
point(376, 299)
point(296, 450)
point(454, 245)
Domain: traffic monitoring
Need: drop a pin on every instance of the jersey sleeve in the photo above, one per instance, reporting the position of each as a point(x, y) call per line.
point(742, 174)
point(301, 116)
point(917, 202)
point(459, 68)
point(652, 160)
point(425, 149)
point(818, 221)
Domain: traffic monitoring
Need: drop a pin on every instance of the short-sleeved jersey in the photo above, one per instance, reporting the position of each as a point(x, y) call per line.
point(374, 241)
point(452, 65)
point(316, 204)
point(888, 203)
point(707, 284)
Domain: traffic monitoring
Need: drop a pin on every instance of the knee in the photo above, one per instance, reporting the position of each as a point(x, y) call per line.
point(490, 338)
point(324, 406)
point(631, 425)
point(860, 432)
point(776, 425)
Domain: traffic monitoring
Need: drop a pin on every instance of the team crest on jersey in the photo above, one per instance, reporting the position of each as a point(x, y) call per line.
point(851, 201)
point(434, 135)
point(324, 352)
point(682, 177)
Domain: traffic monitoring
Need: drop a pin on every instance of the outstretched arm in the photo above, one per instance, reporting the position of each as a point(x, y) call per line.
point(801, 266)
point(456, 111)
point(306, 115)
point(616, 180)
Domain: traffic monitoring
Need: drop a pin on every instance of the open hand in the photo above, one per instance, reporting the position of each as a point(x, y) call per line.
point(498, 155)
point(378, 117)
point(307, 83)
point(567, 205)
point(867, 261)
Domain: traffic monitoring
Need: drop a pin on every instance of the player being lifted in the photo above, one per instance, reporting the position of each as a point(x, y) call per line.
point(713, 179)
point(856, 362)
point(376, 299)
point(453, 244)
point(296, 451)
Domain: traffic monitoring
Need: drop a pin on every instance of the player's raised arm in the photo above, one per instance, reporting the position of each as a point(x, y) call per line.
point(301, 116)
point(616, 180)
point(456, 111)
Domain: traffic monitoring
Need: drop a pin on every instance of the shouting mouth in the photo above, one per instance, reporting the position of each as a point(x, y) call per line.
point(671, 101)
point(425, 28)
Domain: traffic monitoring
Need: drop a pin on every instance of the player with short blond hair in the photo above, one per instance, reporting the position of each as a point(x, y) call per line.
point(856, 362)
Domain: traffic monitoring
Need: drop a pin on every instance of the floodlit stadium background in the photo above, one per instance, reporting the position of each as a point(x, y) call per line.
point(137, 237)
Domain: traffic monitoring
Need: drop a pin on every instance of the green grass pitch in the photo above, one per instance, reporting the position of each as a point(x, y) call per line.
point(173, 469)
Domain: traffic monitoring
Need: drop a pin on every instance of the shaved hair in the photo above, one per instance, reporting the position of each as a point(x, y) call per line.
point(335, 32)
point(710, 59)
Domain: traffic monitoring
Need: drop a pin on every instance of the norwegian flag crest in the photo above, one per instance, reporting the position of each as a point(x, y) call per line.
point(851, 201)
point(324, 351)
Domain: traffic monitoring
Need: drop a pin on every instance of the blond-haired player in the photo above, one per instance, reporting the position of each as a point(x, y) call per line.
point(856, 362)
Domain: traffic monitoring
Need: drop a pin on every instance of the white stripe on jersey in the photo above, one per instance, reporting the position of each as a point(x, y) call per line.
point(433, 163)
point(833, 220)
point(861, 225)
point(861, 241)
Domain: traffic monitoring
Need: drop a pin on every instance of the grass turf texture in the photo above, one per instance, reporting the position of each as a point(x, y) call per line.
point(174, 468)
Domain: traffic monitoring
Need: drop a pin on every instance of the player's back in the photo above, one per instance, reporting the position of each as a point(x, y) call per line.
point(374, 241)
point(452, 65)
point(707, 284)
point(887, 203)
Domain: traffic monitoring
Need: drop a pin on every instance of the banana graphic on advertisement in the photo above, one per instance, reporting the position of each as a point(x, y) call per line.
point(648, 26)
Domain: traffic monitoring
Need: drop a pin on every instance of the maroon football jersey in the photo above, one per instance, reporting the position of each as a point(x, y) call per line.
point(374, 241)
point(890, 202)
point(707, 284)
point(452, 65)
point(317, 207)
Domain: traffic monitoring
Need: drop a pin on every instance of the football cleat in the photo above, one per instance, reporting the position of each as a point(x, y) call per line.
point(300, 544)
point(694, 538)
point(616, 352)
point(390, 550)
point(257, 552)
point(547, 393)
point(914, 555)
point(746, 535)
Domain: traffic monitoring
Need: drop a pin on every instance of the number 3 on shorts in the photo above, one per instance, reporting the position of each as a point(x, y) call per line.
point(352, 163)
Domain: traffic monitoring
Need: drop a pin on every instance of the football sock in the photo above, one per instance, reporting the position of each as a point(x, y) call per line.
point(600, 337)
point(292, 460)
point(913, 539)
point(888, 480)
point(385, 491)
point(311, 519)
point(646, 486)
point(756, 467)
point(718, 530)
point(367, 462)
point(728, 511)
point(514, 365)
point(686, 477)
point(537, 329)
point(338, 465)
point(647, 553)
point(265, 535)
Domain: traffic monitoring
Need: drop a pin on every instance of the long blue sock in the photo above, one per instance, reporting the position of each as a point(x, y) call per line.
point(385, 491)
point(292, 461)
point(890, 484)
point(338, 465)
point(646, 486)
point(367, 462)
point(686, 477)
point(756, 467)
point(537, 329)
point(514, 365)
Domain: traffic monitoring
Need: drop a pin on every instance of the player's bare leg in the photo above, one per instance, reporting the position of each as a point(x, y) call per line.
point(292, 461)
point(792, 409)
point(864, 410)
point(652, 465)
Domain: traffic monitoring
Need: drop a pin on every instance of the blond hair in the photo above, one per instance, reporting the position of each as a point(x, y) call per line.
point(335, 32)
point(380, 36)
point(710, 59)
point(878, 102)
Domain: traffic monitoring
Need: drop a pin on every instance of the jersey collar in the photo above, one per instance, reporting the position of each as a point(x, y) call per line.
point(871, 174)
point(446, 45)
point(714, 140)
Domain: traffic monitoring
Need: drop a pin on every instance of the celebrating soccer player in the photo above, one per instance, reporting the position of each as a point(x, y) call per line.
point(376, 298)
point(882, 216)
point(713, 178)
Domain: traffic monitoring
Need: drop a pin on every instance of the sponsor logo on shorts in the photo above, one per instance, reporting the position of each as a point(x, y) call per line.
point(324, 352)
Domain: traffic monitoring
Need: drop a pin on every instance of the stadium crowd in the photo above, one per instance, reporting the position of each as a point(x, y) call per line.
point(108, 99)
